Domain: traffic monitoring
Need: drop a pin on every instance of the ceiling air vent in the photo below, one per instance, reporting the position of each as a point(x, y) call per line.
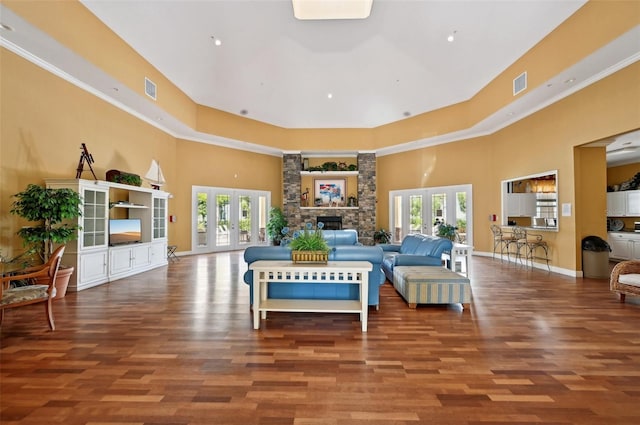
point(520, 83)
point(150, 88)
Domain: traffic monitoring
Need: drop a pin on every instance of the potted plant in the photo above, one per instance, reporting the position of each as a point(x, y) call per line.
point(308, 245)
point(275, 224)
point(49, 208)
point(447, 231)
point(381, 236)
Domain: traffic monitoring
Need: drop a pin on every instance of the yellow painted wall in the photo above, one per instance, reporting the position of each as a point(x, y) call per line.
point(44, 120)
point(590, 207)
point(541, 142)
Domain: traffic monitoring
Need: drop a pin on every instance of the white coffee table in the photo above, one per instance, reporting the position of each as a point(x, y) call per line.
point(336, 272)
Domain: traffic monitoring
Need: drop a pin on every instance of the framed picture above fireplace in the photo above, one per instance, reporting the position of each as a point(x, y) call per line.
point(329, 192)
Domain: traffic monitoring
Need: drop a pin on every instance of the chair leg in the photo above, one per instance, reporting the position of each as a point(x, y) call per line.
point(49, 311)
point(622, 297)
point(1, 315)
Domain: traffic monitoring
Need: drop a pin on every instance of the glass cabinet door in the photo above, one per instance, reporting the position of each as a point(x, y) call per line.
point(159, 218)
point(94, 218)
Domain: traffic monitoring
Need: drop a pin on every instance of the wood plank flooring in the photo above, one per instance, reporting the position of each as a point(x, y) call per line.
point(176, 346)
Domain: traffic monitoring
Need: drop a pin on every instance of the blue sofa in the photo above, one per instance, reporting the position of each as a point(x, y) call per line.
point(341, 237)
point(415, 250)
point(373, 254)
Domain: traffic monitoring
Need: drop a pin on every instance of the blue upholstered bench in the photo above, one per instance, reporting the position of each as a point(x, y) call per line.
point(431, 285)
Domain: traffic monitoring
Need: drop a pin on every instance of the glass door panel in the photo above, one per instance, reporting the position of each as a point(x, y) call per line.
point(94, 218)
point(223, 223)
point(202, 218)
point(244, 220)
point(438, 210)
point(396, 219)
point(415, 213)
point(461, 216)
point(159, 218)
point(262, 219)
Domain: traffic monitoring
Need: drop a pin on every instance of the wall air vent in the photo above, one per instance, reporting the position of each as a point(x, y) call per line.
point(520, 83)
point(150, 88)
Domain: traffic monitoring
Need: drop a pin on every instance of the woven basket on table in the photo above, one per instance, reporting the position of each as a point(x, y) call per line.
point(310, 257)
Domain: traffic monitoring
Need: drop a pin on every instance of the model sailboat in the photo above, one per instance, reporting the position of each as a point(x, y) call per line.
point(154, 176)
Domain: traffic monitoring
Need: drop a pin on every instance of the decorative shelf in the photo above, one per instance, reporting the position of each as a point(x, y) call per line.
point(329, 208)
point(328, 173)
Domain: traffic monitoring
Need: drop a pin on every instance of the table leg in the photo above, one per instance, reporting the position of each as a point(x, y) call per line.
point(364, 300)
point(256, 301)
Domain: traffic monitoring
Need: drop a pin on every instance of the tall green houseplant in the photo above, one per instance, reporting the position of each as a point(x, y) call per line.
point(49, 208)
point(275, 224)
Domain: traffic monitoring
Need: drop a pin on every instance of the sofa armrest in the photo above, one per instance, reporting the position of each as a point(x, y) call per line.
point(416, 260)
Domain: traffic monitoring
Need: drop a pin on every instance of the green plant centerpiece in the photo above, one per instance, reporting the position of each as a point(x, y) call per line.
point(447, 231)
point(308, 245)
point(50, 208)
point(275, 224)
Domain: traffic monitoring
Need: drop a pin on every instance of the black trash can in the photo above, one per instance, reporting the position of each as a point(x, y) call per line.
point(595, 257)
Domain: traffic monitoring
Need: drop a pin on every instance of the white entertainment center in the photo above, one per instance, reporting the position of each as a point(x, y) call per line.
point(95, 261)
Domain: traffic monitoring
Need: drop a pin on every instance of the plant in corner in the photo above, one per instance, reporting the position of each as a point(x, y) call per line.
point(275, 224)
point(381, 236)
point(49, 208)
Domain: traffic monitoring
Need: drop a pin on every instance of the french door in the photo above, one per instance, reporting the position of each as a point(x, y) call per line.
point(228, 219)
point(421, 210)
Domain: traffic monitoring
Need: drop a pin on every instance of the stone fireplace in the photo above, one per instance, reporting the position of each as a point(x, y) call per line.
point(361, 218)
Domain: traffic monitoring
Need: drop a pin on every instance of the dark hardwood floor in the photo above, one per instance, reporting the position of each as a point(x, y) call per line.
point(176, 346)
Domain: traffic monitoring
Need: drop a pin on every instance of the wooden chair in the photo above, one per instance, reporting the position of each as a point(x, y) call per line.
point(33, 291)
point(625, 278)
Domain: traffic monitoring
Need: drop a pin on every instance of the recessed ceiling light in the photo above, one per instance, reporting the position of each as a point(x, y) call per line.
point(6, 27)
point(216, 41)
point(452, 37)
point(330, 95)
point(570, 80)
point(244, 112)
point(406, 113)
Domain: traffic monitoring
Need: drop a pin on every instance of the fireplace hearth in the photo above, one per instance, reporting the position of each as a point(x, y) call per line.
point(331, 222)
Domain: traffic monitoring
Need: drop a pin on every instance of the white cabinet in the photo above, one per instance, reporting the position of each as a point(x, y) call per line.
point(624, 245)
point(521, 205)
point(129, 260)
point(140, 256)
point(633, 203)
point(94, 260)
point(119, 261)
point(616, 204)
point(93, 269)
point(158, 252)
point(623, 204)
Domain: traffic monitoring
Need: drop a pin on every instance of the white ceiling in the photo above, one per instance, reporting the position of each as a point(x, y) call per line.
point(280, 70)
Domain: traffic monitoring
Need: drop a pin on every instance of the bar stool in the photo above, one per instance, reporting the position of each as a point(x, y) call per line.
point(501, 240)
point(532, 244)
